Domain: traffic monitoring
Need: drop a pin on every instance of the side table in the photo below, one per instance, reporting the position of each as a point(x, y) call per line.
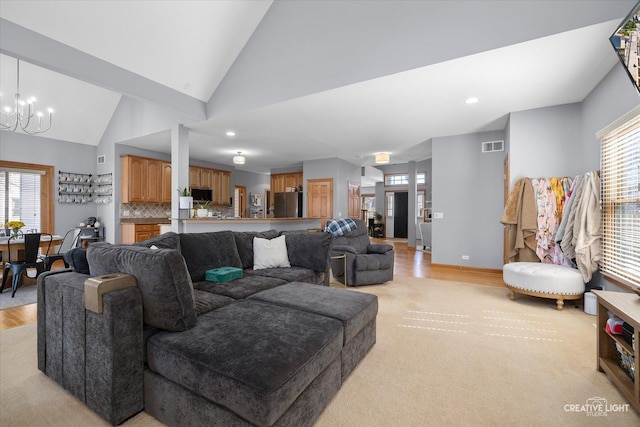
point(344, 272)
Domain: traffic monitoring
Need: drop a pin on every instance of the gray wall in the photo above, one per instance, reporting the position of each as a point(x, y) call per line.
point(63, 156)
point(546, 142)
point(342, 173)
point(468, 191)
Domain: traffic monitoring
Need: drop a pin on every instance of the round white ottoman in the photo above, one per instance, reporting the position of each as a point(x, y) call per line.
point(543, 280)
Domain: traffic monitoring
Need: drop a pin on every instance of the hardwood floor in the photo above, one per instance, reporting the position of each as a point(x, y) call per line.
point(408, 262)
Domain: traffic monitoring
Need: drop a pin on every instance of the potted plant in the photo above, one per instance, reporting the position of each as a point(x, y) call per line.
point(202, 211)
point(15, 226)
point(186, 201)
point(377, 217)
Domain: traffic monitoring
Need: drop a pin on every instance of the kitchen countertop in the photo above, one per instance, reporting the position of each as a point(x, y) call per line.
point(244, 219)
point(139, 220)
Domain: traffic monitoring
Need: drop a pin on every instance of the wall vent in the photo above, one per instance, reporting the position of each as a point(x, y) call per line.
point(101, 160)
point(491, 146)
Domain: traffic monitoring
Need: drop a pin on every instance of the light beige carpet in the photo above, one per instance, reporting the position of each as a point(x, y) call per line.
point(447, 354)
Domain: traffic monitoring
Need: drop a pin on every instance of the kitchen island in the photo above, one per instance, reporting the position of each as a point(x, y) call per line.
point(201, 225)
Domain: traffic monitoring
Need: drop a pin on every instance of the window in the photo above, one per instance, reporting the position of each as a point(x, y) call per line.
point(26, 194)
point(20, 198)
point(620, 178)
point(420, 201)
point(403, 179)
point(369, 204)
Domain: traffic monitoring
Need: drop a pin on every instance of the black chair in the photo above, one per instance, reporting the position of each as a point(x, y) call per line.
point(17, 267)
point(49, 259)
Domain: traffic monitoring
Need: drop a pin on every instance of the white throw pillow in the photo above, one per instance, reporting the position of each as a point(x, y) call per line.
point(270, 253)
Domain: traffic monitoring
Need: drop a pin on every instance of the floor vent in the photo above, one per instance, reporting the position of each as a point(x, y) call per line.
point(491, 146)
point(101, 160)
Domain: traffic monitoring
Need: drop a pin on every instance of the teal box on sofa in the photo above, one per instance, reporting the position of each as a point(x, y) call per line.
point(223, 274)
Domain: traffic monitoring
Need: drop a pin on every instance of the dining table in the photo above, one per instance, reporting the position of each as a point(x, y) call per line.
point(17, 246)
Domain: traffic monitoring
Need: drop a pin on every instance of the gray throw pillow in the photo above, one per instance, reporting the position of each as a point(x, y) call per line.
point(168, 240)
point(206, 251)
point(163, 280)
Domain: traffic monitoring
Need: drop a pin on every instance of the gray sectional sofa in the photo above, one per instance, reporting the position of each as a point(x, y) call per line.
point(270, 348)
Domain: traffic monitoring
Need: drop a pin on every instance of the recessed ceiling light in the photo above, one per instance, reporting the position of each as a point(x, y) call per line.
point(471, 100)
point(231, 133)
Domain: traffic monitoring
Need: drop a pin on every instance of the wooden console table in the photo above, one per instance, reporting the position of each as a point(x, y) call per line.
point(627, 307)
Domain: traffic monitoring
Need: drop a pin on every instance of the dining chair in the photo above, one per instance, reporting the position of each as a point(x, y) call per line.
point(17, 267)
point(68, 242)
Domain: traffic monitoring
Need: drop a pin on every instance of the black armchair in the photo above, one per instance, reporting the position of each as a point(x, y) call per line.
point(366, 263)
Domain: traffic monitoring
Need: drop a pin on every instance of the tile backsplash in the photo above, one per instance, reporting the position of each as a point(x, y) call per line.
point(145, 210)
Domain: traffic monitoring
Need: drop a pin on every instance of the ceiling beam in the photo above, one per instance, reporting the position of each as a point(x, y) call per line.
point(27, 45)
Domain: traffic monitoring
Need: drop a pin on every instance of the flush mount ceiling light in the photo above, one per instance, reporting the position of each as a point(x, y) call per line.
point(231, 133)
point(381, 158)
point(22, 112)
point(471, 100)
point(239, 159)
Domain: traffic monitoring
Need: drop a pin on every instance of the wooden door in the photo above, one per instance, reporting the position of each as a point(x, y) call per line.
point(354, 200)
point(320, 199)
point(166, 182)
point(241, 200)
point(400, 214)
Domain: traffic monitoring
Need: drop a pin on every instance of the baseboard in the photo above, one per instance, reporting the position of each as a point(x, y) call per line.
point(444, 267)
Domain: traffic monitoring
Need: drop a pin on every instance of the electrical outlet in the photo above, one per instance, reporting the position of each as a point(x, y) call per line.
point(465, 257)
point(125, 213)
point(138, 212)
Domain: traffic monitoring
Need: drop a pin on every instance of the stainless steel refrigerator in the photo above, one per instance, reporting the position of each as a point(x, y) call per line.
point(287, 205)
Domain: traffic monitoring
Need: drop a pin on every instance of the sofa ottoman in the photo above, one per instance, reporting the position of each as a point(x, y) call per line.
point(247, 363)
point(355, 310)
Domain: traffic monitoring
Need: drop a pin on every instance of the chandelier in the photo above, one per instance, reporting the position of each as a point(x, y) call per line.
point(22, 113)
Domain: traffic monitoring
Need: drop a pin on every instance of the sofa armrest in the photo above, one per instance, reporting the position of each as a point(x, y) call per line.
point(97, 357)
point(96, 287)
point(341, 249)
point(379, 248)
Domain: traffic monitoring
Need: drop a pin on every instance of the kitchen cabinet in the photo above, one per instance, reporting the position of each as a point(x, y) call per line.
point(222, 191)
point(201, 177)
point(167, 192)
point(132, 233)
point(281, 181)
point(141, 180)
point(211, 179)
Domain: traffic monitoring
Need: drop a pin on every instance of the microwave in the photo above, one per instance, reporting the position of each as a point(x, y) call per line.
point(202, 194)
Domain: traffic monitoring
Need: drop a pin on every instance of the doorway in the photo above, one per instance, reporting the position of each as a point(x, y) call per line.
point(240, 205)
point(354, 200)
point(400, 214)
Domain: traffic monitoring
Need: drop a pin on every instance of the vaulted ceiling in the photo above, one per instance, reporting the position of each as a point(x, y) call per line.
point(304, 80)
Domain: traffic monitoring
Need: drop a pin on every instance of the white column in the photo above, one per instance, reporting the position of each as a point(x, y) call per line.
point(412, 222)
point(179, 170)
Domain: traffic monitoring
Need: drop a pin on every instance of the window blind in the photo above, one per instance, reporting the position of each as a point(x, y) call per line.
point(20, 198)
point(620, 180)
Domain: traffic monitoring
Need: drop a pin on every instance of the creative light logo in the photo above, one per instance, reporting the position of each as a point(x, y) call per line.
point(596, 407)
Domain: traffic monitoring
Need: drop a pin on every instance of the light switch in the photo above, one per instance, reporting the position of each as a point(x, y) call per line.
point(438, 215)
